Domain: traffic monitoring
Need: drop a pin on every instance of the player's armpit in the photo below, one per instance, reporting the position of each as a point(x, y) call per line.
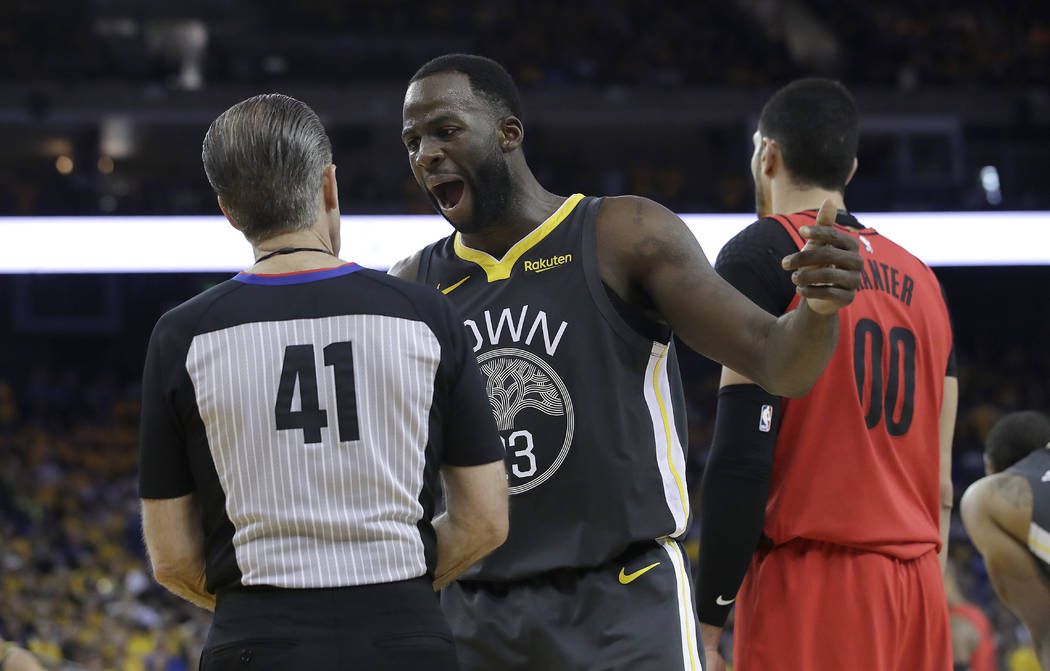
point(175, 543)
point(407, 268)
point(997, 512)
point(648, 256)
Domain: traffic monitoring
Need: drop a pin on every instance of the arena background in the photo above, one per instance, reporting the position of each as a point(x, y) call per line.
point(104, 103)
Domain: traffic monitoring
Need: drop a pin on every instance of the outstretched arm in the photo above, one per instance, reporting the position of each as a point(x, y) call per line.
point(651, 259)
point(997, 512)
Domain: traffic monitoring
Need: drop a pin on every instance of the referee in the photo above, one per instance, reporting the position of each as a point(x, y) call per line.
point(295, 420)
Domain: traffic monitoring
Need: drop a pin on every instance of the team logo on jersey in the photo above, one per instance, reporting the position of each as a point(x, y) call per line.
point(533, 413)
point(540, 265)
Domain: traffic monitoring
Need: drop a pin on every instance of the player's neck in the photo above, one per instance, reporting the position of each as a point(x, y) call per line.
point(311, 238)
point(528, 206)
point(788, 199)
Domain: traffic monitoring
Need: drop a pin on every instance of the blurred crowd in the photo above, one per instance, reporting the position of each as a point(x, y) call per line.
point(74, 586)
point(159, 69)
point(74, 583)
point(543, 43)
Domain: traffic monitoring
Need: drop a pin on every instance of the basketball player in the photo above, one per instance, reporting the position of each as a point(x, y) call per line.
point(570, 306)
point(1007, 515)
point(294, 422)
point(855, 498)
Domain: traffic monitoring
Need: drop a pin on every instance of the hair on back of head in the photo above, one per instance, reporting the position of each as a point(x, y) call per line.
point(265, 157)
point(1015, 436)
point(488, 79)
point(815, 123)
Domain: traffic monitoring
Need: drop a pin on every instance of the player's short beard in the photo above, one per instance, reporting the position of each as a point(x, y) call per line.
point(490, 188)
point(763, 208)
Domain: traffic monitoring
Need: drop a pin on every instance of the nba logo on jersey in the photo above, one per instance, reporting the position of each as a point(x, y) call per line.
point(765, 419)
point(867, 245)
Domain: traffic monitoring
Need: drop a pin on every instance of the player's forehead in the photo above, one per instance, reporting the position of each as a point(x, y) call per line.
point(439, 95)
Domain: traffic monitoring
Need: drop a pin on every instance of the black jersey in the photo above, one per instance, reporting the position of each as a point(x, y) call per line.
point(586, 394)
point(309, 413)
point(1036, 469)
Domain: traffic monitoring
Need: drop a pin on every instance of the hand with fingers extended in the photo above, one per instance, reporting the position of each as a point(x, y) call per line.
point(827, 269)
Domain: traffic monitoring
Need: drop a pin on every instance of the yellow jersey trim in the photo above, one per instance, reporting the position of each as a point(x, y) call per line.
point(689, 635)
point(500, 269)
point(1039, 542)
point(667, 432)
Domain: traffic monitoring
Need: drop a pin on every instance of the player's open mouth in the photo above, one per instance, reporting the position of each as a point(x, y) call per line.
point(449, 194)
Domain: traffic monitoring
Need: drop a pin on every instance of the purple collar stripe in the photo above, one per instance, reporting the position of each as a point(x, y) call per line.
point(297, 278)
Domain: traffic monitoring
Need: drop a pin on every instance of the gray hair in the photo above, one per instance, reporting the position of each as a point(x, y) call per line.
point(265, 158)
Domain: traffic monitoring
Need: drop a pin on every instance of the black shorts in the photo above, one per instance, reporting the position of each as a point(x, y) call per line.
point(634, 613)
point(386, 627)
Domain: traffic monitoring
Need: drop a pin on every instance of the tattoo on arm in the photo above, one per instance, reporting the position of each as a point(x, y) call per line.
point(1016, 492)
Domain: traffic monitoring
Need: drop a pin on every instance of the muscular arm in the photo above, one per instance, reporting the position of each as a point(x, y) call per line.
point(997, 511)
point(475, 523)
point(648, 256)
point(175, 541)
point(949, 407)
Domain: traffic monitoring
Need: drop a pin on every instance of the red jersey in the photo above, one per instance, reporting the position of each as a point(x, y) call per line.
point(857, 460)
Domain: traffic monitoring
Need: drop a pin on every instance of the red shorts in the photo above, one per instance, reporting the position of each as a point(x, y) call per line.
point(825, 607)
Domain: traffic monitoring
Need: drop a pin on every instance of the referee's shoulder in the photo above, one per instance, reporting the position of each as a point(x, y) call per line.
point(186, 315)
point(423, 297)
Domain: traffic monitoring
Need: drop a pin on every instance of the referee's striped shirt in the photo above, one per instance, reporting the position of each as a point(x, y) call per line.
point(310, 413)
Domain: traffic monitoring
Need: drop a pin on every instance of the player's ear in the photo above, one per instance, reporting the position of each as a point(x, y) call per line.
point(852, 171)
point(226, 213)
point(329, 189)
point(511, 133)
point(770, 159)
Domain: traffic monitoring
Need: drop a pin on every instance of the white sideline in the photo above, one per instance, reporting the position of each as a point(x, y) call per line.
point(209, 244)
